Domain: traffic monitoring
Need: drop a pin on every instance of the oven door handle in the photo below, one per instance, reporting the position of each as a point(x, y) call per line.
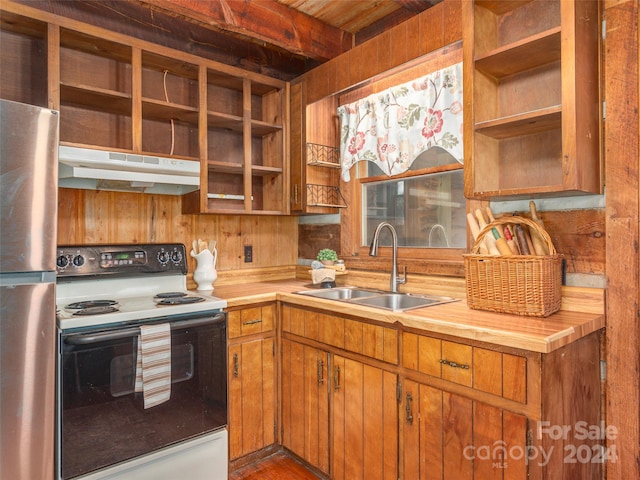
point(88, 338)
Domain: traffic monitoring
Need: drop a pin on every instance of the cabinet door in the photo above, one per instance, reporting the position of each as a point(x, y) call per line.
point(447, 436)
point(251, 396)
point(364, 422)
point(305, 403)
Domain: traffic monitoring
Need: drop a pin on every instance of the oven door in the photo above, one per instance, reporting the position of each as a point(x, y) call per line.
point(102, 419)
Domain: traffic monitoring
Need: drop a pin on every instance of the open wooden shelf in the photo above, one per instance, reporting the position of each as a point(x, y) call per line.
point(533, 129)
point(95, 98)
point(129, 95)
point(522, 124)
point(520, 56)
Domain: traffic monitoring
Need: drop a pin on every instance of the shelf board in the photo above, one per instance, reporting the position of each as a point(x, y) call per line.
point(224, 121)
point(319, 163)
point(225, 167)
point(259, 170)
point(522, 124)
point(225, 196)
point(260, 128)
point(526, 192)
point(161, 110)
point(95, 98)
point(525, 54)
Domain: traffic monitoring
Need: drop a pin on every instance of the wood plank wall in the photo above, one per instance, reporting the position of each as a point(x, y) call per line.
point(94, 217)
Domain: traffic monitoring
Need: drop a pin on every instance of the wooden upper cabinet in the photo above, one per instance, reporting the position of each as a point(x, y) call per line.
point(532, 102)
point(95, 91)
point(315, 152)
point(119, 93)
point(245, 167)
point(23, 46)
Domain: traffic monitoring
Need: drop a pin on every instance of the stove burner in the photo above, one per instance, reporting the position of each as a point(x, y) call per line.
point(96, 310)
point(180, 300)
point(91, 304)
point(170, 295)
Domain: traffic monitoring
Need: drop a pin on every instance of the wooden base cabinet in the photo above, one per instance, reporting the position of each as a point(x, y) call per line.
point(473, 412)
point(339, 401)
point(305, 403)
point(362, 400)
point(448, 436)
point(252, 380)
point(364, 421)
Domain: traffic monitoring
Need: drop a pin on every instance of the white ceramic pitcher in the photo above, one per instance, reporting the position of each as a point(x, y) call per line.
point(205, 273)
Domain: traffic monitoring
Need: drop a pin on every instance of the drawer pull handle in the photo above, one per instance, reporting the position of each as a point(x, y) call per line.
point(454, 364)
point(408, 409)
point(320, 372)
point(235, 365)
point(252, 322)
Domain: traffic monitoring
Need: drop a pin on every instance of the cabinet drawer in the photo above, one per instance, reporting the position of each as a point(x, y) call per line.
point(252, 320)
point(356, 336)
point(483, 369)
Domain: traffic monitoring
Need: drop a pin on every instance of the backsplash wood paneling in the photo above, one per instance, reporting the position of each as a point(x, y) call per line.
point(90, 217)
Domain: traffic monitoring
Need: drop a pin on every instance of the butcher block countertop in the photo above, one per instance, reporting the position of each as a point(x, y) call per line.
point(455, 319)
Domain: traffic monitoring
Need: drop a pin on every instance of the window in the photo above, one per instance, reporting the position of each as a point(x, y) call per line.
point(427, 210)
point(413, 180)
point(426, 206)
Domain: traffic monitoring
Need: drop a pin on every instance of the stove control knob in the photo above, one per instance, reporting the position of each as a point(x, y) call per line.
point(176, 257)
point(163, 257)
point(78, 260)
point(62, 261)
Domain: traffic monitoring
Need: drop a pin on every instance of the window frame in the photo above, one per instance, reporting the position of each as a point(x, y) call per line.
point(430, 261)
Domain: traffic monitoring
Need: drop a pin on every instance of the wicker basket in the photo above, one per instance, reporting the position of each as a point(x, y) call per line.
point(519, 284)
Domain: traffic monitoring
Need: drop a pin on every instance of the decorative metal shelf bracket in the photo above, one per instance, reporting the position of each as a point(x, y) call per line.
point(323, 155)
point(325, 196)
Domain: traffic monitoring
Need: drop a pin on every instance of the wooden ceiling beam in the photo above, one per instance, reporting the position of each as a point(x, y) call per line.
point(262, 22)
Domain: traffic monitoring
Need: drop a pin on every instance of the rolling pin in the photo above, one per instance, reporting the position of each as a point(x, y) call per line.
point(501, 243)
point(475, 230)
point(522, 240)
point(510, 241)
point(539, 244)
point(489, 241)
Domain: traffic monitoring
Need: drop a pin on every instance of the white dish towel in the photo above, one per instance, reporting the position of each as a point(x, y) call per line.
point(153, 364)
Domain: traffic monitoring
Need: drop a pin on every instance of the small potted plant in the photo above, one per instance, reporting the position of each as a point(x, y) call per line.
point(327, 256)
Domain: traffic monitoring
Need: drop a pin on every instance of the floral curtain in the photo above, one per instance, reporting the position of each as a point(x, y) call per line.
point(393, 127)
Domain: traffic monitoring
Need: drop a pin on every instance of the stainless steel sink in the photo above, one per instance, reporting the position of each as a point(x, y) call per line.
point(396, 302)
point(341, 293)
point(402, 301)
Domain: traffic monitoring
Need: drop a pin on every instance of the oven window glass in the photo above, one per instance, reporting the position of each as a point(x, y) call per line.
point(104, 421)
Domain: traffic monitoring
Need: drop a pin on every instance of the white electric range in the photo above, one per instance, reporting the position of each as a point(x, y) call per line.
point(105, 295)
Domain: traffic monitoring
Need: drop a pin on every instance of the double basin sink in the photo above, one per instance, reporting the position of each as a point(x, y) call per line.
point(397, 302)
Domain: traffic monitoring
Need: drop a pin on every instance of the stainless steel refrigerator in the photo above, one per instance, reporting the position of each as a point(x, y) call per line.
point(28, 204)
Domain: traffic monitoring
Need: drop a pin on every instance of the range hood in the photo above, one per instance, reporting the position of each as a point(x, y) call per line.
point(92, 169)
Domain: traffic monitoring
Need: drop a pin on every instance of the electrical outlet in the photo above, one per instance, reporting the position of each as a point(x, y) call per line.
point(248, 254)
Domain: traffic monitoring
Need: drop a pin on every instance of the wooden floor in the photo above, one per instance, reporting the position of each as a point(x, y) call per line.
point(278, 466)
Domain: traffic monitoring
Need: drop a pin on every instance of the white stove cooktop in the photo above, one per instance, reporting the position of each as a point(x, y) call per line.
point(135, 297)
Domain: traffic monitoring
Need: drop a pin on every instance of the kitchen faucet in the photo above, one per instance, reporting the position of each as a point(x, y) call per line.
point(373, 251)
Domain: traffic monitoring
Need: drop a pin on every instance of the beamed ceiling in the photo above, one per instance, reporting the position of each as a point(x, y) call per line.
point(279, 38)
